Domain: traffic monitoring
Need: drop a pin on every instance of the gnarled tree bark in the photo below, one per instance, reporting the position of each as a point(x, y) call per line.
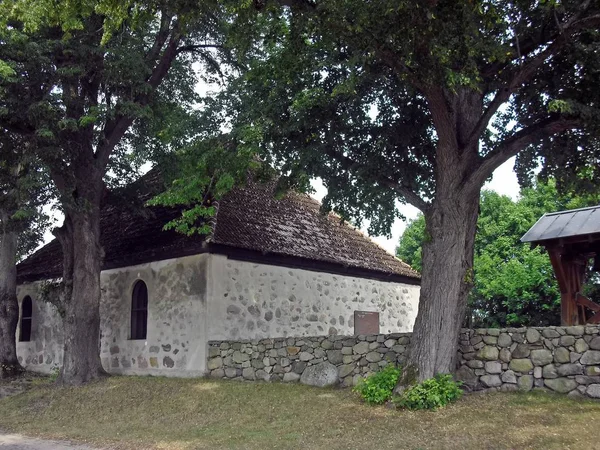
point(82, 262)
point(9, 306)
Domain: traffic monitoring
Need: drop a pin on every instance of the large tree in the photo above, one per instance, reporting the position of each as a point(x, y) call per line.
point(107, 62)
point(514, 284)
point(419, 102)
point(24, 190)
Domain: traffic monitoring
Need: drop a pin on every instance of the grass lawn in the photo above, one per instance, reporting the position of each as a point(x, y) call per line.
point(145, 412)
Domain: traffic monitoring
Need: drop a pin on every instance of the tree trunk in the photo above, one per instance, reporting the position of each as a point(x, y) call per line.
point(82, 255)
point(445, 284)
point(9, 307)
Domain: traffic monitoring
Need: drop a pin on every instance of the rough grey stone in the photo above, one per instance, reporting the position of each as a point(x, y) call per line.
point(570, 369)
point(493, 367)
point(509, 377)
point(361, 348)
point(562, 385)
point(488, 353)
point(577, 330)
point(504, 355)
point(541, 357)
point(592, 371)
point(504, 340)
point(537, 372)
point(305, 356)
point(581, 346)
point(521, 365)
point(335, 356)
point(567, 340)
point(549, 371)
point(490, 380)
point(373, 357)
point(168, 362)
point(490, 340)
point(595, 343)
point(299, 366)
point(290, 377)
point(585, 380)
point(550, 333)
point(590, 357)
point(214, 363)
point(561, 355)
point(593, 390)
point(521, 351)
point(327, 344)
point(532, 335)
point(525, 383)
point(475, 364)
point(346, 370)
point(467, 376)
point(320, 375)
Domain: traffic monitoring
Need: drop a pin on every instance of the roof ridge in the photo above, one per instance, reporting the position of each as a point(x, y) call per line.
point(555, 213)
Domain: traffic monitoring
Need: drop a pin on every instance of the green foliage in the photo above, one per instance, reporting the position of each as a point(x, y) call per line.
point(514, 284)
point(378, 387)
point(430, 394)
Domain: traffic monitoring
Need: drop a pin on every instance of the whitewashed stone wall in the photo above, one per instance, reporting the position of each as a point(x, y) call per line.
point(206, 297)
point(176, 336)
point(254, 301)
point(44, 353)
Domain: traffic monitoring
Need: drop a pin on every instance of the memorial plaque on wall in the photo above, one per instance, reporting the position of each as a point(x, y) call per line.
point(366, 322)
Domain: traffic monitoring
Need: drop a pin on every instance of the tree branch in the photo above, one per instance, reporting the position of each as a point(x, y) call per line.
point(193, 48)
point(526, 70)
point(513, 144)
point(161, 38)
point(115, 131)
point(409, 195)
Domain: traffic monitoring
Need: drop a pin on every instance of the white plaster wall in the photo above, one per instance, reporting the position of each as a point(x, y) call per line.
point(176, 341)
point(252, 301)
point(45, 350)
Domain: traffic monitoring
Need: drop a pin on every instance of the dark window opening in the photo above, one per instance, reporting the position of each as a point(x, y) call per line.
point(26, 315)
point(139, 311)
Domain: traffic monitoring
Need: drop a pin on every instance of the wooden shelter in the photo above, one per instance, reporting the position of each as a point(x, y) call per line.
point(572, 239)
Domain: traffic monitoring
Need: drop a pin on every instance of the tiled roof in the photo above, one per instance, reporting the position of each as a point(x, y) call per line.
point(248, 218)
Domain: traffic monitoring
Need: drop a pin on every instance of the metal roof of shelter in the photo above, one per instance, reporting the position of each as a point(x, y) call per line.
point(562, 224)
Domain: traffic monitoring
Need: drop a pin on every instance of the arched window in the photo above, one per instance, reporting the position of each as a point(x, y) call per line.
point(26, 314)
point(139, 311)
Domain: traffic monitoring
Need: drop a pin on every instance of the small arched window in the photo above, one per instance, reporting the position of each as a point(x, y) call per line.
point(26, 315)
point(139, 311)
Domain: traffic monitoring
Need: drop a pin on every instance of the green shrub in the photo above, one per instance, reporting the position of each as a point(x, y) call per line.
point(430, 394)
point(377, 388)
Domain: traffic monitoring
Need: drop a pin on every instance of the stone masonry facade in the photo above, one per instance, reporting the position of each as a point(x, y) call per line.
point(560, 359)
point(286, 359)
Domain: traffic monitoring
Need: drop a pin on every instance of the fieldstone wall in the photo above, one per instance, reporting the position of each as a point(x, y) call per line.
point(290, 359)
point(560, 359)
point(255, 301)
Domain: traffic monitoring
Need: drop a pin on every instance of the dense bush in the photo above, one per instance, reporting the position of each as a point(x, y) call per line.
point(377, 388)
point(430, 394)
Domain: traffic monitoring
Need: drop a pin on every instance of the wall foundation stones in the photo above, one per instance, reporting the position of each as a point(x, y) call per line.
point(560, 359)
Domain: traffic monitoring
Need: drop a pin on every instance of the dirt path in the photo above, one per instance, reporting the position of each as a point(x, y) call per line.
point(18, 442)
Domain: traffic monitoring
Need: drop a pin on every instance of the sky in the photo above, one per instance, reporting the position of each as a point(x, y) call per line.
point(504, 181)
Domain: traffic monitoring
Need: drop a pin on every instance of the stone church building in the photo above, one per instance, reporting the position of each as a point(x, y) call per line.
point(269, 268)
